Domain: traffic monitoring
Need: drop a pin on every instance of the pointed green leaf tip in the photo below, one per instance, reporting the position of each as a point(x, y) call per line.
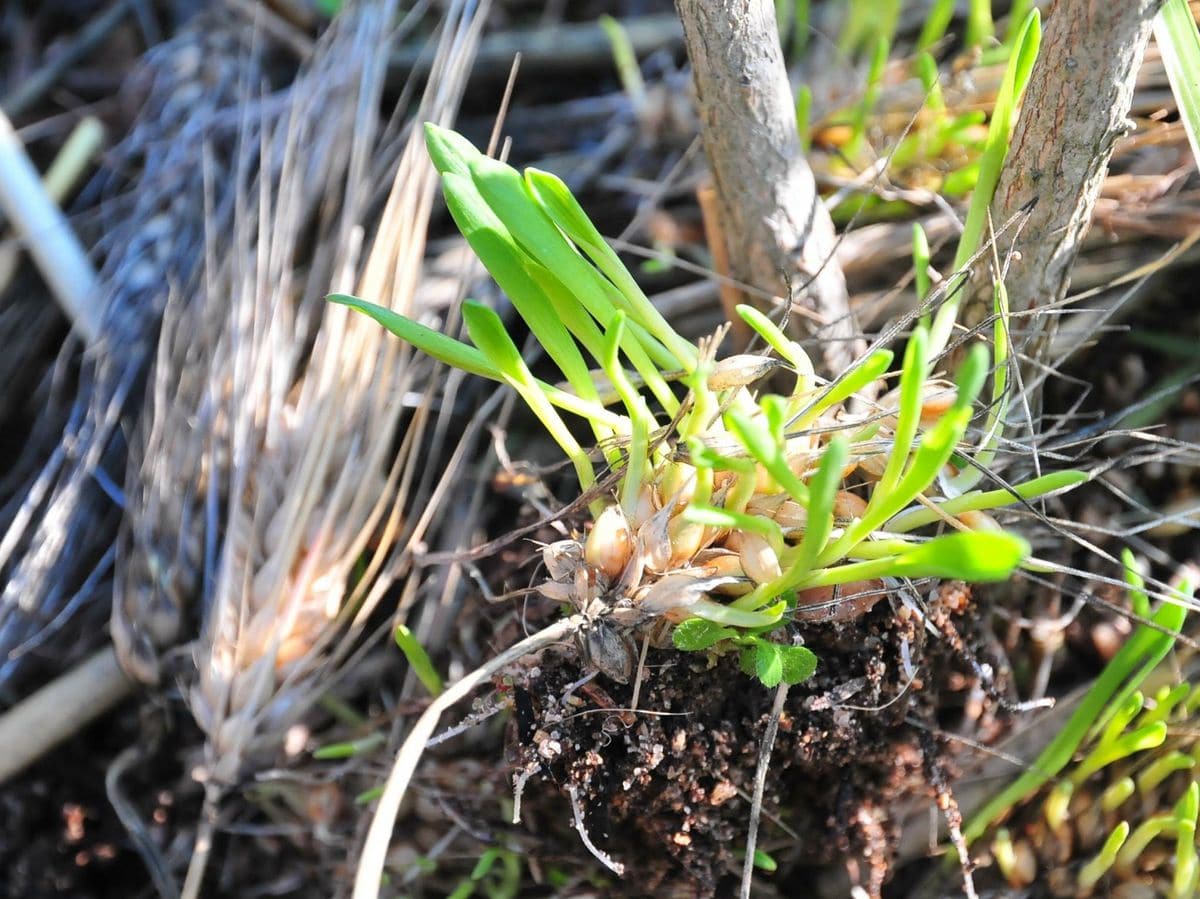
point(977, 556)
point(449, 151)
point(434, 343)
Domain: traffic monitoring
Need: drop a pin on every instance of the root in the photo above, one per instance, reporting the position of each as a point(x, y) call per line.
point(603, 857)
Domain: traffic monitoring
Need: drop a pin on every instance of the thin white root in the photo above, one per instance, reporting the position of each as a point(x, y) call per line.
point(60, 710)
point(370, 865)
point(601, 856)
point(760, 784)
point(47, 235)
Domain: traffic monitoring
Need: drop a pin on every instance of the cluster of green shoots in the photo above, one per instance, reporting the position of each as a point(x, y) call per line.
point(724, 510)
point(1117, 778)
point(940, 150)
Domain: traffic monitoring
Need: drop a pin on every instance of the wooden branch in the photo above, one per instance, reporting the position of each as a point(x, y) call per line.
point(1074, 111)
point(781, 238)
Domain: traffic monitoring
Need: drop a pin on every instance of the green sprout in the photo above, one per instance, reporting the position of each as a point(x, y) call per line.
point(726, 510)
point(1119, 744)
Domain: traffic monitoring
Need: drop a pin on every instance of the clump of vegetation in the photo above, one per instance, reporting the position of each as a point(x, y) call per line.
point(725, 512)
point(1113, 799)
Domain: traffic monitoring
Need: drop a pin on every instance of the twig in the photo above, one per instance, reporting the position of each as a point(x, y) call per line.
point(89, 38)
point(371, 863)
point(760, 784)
point(60, 710)
point(569, 47)
point(205, 831)
point(64, 173)
point(47, 234)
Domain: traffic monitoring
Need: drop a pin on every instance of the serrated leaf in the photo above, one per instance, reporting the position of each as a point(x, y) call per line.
point(799, 663)
point(768, 663)
point(697, 634)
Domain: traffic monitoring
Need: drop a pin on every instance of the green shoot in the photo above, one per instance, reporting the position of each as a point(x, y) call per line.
point(625, 61)
point(1012, 89)
point(418, 660)
point(937, 20)
point(1179, 43)
point(1108, 696)
point(750, 479)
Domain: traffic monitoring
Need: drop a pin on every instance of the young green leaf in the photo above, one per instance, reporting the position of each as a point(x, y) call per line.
point(756, 439)
point(697, 634)
point(912, 386)
point(799, 664)
point(768, 663)
point(418, 660)
point(448, 150)
point(487, 332)
point(822, 490)
point(981, 501)
point(1120, 679)
point(430, 342)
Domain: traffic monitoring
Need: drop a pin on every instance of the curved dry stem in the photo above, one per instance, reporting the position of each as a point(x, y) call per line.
point(370, 864)
point(760, 784)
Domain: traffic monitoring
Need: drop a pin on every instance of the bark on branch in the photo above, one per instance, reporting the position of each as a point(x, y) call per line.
point(1074, 111)
point(780, 236)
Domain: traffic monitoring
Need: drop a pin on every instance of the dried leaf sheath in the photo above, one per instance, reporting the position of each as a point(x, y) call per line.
point(290, 432)
point(147, 214)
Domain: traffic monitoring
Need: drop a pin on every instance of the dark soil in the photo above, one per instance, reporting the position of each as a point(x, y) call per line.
point(667, 789)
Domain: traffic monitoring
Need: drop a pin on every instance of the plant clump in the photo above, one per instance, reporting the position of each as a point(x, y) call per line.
point(1110, 806)
point(720, 512)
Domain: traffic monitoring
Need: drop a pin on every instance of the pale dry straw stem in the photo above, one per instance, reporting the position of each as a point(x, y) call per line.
point(368, 875)
point(285, 426)
point(47, 235)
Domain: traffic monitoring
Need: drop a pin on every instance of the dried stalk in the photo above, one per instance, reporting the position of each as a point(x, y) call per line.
point(56, 549)
point(46, 234)
point(60, 710)
point(266, 469)
point(370, 866)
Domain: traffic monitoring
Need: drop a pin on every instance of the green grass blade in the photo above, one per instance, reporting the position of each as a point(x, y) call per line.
point(908, 418)
point(418, 660)
point(1179, 42)
point(559, 204)
point(1012, 89)
point(1129, 667)
point(756, 439)
point(868, 370)
point(937, 20)
point(822, 490)
point(487, 332)
point(433, 343)
point(981, 501)
point(504, 260)
point(449, 151)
